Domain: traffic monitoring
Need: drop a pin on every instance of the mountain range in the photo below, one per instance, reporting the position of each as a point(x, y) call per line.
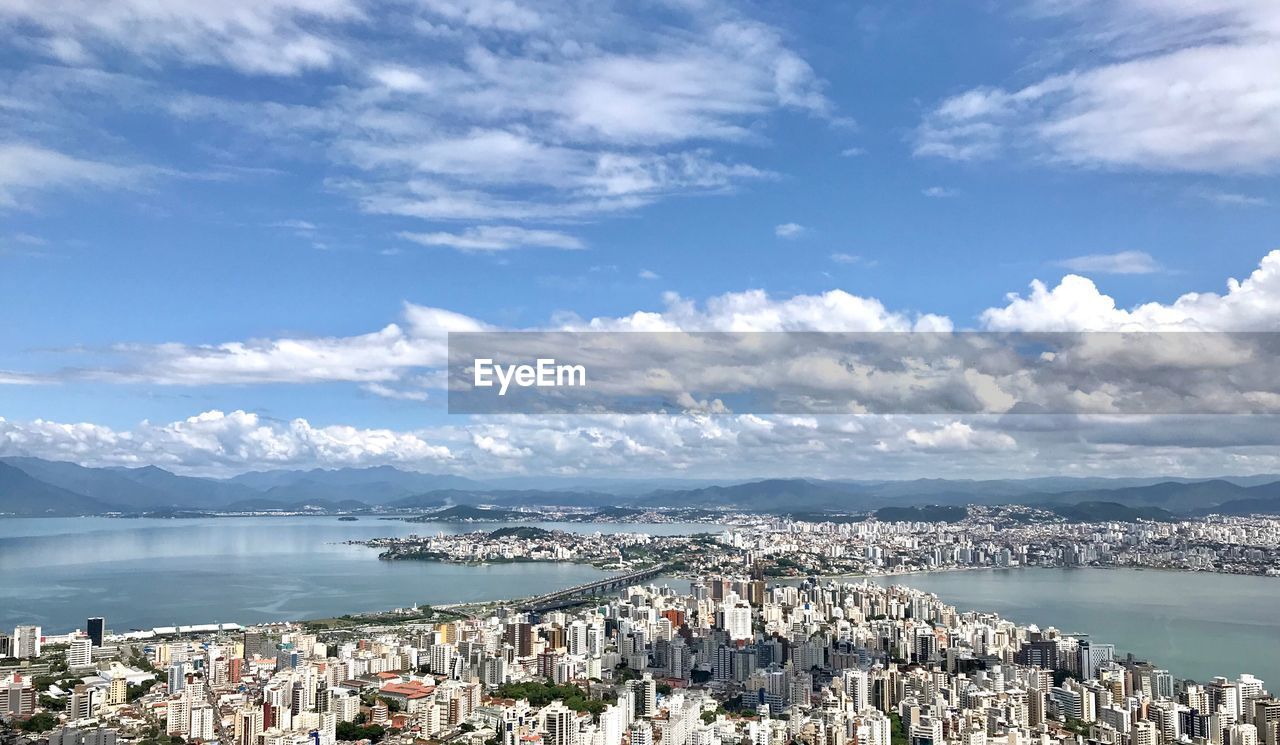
point(32, 486)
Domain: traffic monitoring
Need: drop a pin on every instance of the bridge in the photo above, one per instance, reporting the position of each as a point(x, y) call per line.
point(572, 595)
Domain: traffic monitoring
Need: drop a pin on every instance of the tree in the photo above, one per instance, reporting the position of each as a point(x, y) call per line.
point(898, 734)
point(350, 731)
point(42, 722)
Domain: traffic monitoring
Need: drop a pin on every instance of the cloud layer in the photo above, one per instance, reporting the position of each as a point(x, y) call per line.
point(402, 360)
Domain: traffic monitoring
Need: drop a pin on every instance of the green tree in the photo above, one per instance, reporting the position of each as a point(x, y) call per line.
point(897, 732)
point(351, 731)
point(42, 722)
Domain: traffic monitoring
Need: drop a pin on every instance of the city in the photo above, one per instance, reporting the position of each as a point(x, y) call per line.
point(671, 372)
point(735, 659)
point(985, 537)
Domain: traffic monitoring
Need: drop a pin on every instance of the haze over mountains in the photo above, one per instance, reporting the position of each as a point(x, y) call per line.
point(31, 486)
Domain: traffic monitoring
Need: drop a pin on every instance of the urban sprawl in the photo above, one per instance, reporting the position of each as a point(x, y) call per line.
point(732, 656)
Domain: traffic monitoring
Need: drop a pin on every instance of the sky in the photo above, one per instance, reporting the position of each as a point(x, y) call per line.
point(234, 235)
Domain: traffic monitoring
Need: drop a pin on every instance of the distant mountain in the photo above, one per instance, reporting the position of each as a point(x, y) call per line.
point(512, 497)
point(769, 495)
point(465, 512)
point(190, 492)
point(1174, 496)
point(375, 485)
point(102, 484)
point(36, 486)
point(1263, 499)
point(619, 487)
point(306, 505)
point(23, 494)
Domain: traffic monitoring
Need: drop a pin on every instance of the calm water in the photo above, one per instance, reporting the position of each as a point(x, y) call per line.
point(141, 573)
point(1197, 625)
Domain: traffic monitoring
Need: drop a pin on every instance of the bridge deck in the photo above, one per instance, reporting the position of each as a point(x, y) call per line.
point(560, 598)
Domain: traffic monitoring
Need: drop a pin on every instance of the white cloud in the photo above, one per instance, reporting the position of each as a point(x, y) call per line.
point(510, 111)
point(215, 440)
point(1228, 199)
point(939, 192)
point(26, 169)
point(1076, 304)
point(789, 230)
point(648, 274)
point(1184, 87)
point(501, 15)
point(221, 443)
point(1123, 262)
point(756, 310)
point(846, 258)
point(853, 152)
point(404, 359)
point(299, 225)
point(496, 238)
point(959, 436)
point(271, 37)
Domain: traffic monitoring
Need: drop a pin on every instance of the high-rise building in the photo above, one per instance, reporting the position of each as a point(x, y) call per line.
point(645, 694)
point(17, 697)
point(1266, 717)
point(640, 733)
point(26, 642)
point(248, 725)
point(83, 702)
point(80, 652)
point(577, 638)
point(96, 628)
point(520, 636)
point(202, 716)
point(1092, 655)
point(558, 724)
point(117, 691)
point(177, 676)
point(737, 620)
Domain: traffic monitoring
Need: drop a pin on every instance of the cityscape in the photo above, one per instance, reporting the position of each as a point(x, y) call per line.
point(639, 372)
point(733, 658)
point(985, 537)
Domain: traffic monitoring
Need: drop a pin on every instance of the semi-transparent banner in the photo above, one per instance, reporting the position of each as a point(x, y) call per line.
point(1120, 373)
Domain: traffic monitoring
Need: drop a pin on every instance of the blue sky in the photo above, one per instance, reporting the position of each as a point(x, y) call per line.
point(224, 208)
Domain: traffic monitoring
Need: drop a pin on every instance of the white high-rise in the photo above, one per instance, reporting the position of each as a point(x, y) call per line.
point(80, 652)
point(26, 642)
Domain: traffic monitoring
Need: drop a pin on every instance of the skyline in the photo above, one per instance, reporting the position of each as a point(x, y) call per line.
point(232, 238)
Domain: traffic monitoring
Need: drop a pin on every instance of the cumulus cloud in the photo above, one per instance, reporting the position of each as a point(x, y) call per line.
point(1076, 304)
point(789, 230)
point(223, 443)
point(959, 436)
point(214, 439)
point(1181, 87)
point(757, 310)
point(397, 356)
point(939, 192)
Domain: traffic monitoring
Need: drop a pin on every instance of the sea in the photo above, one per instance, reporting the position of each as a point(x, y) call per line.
point(139, 573)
